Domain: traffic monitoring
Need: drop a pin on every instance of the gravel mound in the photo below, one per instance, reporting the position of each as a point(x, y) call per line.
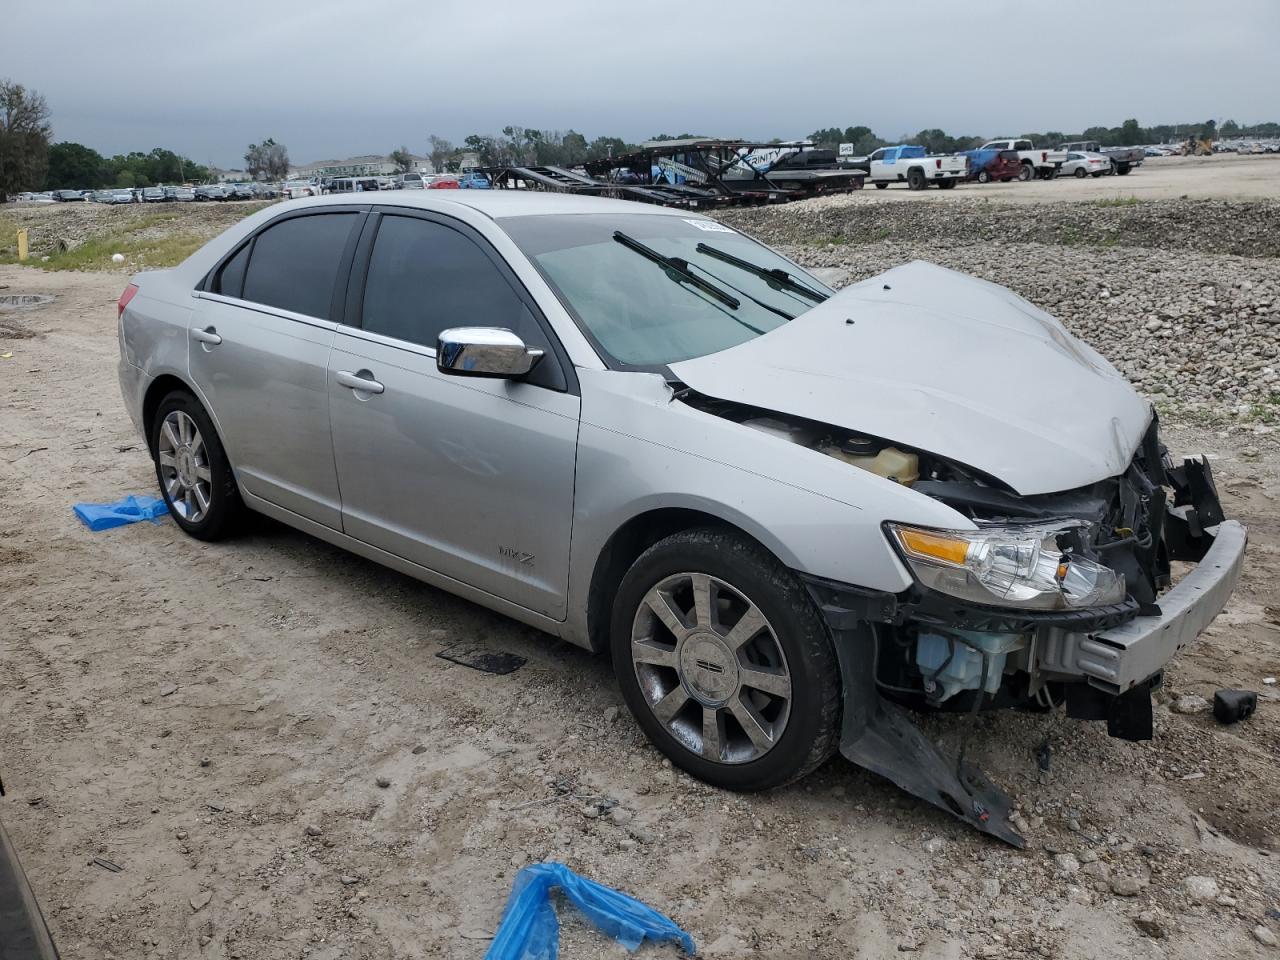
point(1242, 228)
point(1195, 333)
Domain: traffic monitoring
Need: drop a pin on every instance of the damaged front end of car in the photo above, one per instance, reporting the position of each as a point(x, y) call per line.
point(1047, 601)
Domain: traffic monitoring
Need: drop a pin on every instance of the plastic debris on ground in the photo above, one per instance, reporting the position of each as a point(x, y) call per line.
point(104, 516)
point(530, 929)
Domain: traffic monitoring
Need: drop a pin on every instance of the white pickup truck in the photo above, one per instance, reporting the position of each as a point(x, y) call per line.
point(1035, 162)
point(910, 165)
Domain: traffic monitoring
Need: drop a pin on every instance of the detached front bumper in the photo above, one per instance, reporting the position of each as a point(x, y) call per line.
point(1116, 660)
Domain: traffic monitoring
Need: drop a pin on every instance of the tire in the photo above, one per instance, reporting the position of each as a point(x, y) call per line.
point(1123, 169)
point(1097, 175)
point(984, 177)
point(195, 477)
point(705, 682)
point(916, 180)
point(1080, 173)
point(1026, 173)
point(946, 184)
point(881, 185)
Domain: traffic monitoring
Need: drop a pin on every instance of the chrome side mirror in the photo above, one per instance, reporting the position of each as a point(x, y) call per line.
point(484, 352)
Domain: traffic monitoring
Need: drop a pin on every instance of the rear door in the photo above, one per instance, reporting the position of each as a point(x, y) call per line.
point(471, 478)
point(259, 350)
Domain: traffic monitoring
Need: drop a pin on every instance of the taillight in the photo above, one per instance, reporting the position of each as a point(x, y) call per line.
point(938, 163)
point(125, 297)
point(1044, 156)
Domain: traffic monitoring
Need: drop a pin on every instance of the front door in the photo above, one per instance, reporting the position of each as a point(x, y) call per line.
point(471, 478)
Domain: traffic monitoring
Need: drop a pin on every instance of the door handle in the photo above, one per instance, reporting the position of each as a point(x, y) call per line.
point(208, 335)
point(362, 382)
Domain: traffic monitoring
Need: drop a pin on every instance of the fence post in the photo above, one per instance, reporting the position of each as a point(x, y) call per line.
point(23, 250)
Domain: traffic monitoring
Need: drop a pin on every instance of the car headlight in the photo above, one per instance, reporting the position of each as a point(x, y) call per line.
point(1009, 565)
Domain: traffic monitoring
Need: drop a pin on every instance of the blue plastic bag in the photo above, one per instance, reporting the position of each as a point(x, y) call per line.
point(104, 516)
point(530, 929)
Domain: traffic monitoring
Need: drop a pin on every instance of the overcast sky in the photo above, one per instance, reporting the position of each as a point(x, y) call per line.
point(334, 79)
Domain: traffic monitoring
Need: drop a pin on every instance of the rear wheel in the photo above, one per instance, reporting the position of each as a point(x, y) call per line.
point(915, 180)
point(1123, 169)
point(881, 185)
point(1026, 173)
point(724, 661)
point(195, 476)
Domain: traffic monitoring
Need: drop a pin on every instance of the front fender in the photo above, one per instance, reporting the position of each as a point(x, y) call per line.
point(640, 450)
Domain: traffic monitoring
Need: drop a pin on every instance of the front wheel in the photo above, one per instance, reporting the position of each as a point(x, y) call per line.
point(881, 185)
point(724, 661)
point(195, 476)
point(984, 177)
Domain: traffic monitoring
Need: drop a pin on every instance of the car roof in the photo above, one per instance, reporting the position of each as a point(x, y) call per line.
point(496, 204)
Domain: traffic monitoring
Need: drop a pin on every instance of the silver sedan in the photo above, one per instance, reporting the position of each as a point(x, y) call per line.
point(784, 511)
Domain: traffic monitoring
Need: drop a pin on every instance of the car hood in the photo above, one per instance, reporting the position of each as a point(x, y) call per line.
point(948, 364)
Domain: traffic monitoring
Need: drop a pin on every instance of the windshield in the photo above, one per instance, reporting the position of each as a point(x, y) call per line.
point(640, 314)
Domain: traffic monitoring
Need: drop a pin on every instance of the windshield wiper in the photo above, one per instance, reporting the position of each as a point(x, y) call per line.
point(776, 278)
point(680, 271)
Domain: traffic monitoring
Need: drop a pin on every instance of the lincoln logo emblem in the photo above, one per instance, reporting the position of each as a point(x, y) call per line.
point(708, 665)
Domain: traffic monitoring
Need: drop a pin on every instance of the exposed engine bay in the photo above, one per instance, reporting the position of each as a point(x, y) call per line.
point(955, 642)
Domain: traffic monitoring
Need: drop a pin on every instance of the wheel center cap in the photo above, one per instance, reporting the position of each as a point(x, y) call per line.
point(186, 467)
point(709, 668)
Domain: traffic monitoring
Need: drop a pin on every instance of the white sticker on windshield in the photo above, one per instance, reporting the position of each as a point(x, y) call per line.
point(709, 225)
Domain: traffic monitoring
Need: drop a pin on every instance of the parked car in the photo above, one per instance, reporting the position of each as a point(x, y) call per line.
point(474, 180)
point(68, 196)
point(1034, 161)
point(121, 196)
point(1080, 164)
point(1122, 159)
point(911, 165)
point(658, 438)
point(352, 185)
point(443, 182)
point(153, 195)
point(103, 196)
point(988, 165)
point(212, 191)
point(413, 181)
point(24, 935)
point(242, 191)
point(295, 189)
point(174, 194)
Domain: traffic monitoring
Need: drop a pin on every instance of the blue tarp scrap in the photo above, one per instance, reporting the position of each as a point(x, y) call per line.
point(104, 516)
point(530, 929)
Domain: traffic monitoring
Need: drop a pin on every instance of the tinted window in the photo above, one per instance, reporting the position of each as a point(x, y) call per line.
point(1023, 145)
point(230, 279)
point(294, 263)
point(425, 277)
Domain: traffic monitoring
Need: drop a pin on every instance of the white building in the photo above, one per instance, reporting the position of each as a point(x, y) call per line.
point(371, 165)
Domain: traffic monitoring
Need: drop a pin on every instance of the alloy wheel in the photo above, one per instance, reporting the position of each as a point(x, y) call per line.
point(184, 467)
point(711, 668)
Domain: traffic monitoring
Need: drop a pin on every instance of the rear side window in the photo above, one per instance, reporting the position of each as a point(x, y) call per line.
point(294, 263)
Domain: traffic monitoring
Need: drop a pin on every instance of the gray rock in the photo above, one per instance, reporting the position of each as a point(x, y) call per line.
point(1066, 864)
point(1126, 886)
point(383, 782)
point(313, 831)
point(1200, 889)
point(990, 888)
point(934, 846)
point(1190, 703)
point(200, 901)
point(1264, 936)
point(610, 714)
point(621, 816)
point(1152, 924)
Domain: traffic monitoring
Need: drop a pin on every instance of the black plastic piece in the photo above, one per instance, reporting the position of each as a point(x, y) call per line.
point(878, 735)
point(1129, 715)
point(1232, 706)
point(486, 661)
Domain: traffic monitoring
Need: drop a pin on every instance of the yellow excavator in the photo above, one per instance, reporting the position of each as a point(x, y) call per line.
point(1197, 148)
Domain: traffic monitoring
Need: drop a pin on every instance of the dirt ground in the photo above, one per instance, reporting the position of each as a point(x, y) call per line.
point(1223, 176)
point(214, 719)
